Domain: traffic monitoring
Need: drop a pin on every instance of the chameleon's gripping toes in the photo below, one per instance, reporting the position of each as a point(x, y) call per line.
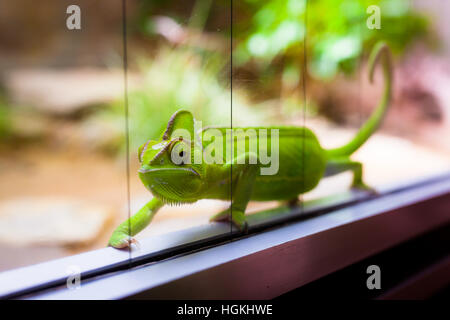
point(302, 162)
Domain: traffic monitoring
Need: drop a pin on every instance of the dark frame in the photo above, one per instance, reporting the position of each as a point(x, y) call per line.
point(285, 249)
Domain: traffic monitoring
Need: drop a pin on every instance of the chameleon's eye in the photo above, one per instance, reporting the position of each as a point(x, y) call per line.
point(180, 153)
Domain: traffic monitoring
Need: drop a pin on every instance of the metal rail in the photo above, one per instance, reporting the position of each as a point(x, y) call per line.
point(302, 244)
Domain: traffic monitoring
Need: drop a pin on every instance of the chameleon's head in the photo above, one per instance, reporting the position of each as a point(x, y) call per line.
point(167, 165)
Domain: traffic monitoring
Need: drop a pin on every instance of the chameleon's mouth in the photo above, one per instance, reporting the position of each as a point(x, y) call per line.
point(164, 170)
point(171, 185)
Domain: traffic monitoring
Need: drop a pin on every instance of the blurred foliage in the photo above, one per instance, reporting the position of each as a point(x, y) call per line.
point(268, 58)
point(4, 120)
point(269, 35)
point(179, 79)
point(336, 32)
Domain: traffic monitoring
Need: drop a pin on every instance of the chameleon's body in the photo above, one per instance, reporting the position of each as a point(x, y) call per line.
point(302, 164)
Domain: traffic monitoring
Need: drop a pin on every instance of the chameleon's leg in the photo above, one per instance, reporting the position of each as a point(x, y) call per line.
point(339, 165)
point(358, 182)
point(236, 216)
point(247, 173)
point(122, 236)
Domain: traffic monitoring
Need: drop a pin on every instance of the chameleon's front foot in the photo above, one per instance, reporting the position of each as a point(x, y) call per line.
point(122, 237)
point(237, 217)
point(121, 240)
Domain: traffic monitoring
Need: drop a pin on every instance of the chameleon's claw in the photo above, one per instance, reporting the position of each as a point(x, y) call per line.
point(136, 243)
point(244, 227)
point(237, 217)
point(365, 188)
point(293, 203)
point(123, 243)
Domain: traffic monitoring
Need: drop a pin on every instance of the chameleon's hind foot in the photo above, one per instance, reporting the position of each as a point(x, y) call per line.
point(293, 202)
point(237, 217)
point(361, 186)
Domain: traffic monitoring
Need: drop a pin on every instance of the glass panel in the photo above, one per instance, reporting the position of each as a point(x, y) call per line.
point(61, 180)
point(345, 98)
point(336, 97)
point(268, 72)
point(181, 62)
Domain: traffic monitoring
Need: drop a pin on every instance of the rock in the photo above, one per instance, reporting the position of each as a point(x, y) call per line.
point(51, 221)
point(64, 92)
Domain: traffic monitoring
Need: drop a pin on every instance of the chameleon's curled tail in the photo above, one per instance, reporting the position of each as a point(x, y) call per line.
point(380, 51)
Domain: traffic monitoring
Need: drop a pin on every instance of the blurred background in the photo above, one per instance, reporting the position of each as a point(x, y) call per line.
point(63, 184)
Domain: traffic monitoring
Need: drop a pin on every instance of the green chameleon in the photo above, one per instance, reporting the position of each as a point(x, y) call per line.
point(301, 159)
